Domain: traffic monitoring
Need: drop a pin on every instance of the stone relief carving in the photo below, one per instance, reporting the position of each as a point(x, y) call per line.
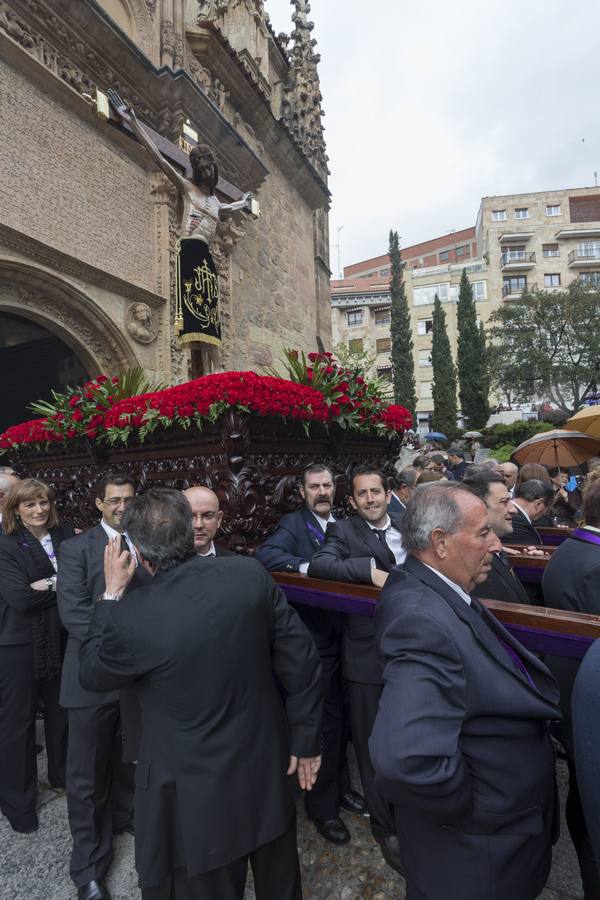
point(140, 323)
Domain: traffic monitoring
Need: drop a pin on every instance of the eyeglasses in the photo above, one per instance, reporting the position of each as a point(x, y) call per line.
point(117, 501)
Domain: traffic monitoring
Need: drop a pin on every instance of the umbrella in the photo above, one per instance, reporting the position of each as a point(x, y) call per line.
point(586, 420)
point(560, 448)
point(473, 434)
point(435, 436)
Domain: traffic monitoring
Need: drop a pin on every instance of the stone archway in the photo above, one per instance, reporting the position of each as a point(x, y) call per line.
point(60, 310)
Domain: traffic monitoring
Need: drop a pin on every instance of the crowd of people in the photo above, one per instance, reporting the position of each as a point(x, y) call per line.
point(186, 701)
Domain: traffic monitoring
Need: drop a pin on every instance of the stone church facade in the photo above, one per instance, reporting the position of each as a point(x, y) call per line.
point(87, 223)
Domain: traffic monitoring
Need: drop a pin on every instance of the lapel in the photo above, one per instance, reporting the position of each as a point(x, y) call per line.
point(486, 629)
point(312, 528)
point(30, 544)
point(374, 545)
point(395, 506)
point(522, 520)
point(508, 577)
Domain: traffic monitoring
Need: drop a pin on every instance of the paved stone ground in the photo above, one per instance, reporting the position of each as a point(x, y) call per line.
point(35, 867)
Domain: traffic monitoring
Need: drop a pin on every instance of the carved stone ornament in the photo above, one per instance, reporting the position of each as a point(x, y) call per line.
point(140, 324)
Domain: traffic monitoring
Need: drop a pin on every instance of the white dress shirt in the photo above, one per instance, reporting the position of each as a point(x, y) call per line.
point(303, 568)
point(46, 543)
point(113, 533)
point(452, 584)
point(210, 552)
point(393, 539)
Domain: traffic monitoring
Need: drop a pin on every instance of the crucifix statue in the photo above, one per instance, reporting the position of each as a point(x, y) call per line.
point(197, 314)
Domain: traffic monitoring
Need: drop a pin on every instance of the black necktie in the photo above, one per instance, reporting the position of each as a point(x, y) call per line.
point(380, 532)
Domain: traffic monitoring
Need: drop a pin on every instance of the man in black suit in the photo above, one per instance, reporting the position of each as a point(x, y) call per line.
point(364, 549)
point(461, 745)
point(458, 466)
point(531, 500)
point(502, 583)
point(289, 549)
point(99, 782)
point(207, 646)
point(403, 484)
point(571, 581)
point(207, 518)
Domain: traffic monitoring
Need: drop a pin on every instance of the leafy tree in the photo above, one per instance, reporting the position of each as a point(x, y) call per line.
point(473, 376)
point(443, 390)
point(547, 345)
point(403, 365)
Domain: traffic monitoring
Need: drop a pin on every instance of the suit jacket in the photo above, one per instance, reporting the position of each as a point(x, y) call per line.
point(206, 646)
point(460, 745)
point(396, 507)
point(80, 583)
point(523, 532)
point(19, 566)
point(296, 540)
point(346, 555)
point(223, 551)
point(571, 581)
point(586, 716)
point(502, 584)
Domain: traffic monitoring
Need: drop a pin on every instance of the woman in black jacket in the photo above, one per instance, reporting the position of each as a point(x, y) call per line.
point(31, 648)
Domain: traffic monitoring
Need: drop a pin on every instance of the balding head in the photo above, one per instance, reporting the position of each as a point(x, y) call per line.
point(448, 528)
point(206, 515)
point(7, 480)
point(509, 472)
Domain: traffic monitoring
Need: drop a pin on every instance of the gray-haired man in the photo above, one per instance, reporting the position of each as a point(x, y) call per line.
point(460, 745)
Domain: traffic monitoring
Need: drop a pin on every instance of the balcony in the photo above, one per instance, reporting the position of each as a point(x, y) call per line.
point(512, 292)
point(515, 237)
point(584, 256)
point(517, 260)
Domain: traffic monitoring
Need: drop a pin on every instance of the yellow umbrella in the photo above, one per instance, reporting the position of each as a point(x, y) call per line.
point(557, 448)
point(586, 420)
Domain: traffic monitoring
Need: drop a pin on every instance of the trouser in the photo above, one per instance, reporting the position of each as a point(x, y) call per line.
point(364, 702)
point(99, 788)
point(275, 869)
point(590, 877)
point(19, 695)
point(333, 779)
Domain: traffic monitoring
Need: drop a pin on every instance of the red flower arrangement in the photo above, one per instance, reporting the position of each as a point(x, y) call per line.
point(97, 412)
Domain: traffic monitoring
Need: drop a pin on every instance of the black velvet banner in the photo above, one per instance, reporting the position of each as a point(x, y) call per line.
point(197, 317)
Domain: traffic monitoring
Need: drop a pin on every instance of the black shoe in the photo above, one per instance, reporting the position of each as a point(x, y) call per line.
point(125, 829)
point(25, 824)
point(94, 890)
point(353, 802)
point(390, 850)
point(333, 830)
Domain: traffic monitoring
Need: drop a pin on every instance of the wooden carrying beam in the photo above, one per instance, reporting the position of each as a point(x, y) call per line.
point(539, 629)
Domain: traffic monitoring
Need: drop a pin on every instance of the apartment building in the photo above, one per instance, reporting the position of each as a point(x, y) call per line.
point(520, 242)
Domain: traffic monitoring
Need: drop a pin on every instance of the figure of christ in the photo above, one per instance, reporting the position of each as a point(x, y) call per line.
point(201, 207)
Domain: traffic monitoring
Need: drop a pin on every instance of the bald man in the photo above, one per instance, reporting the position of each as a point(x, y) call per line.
point(207, 520)
point(8, 478)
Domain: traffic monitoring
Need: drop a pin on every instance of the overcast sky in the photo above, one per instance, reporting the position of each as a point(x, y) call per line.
point(431, 106)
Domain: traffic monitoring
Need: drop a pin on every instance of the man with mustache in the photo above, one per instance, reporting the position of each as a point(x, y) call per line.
point(460, 745)
point(289, 549)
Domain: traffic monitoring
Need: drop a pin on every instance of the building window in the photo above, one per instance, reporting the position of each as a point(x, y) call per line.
point(479, 290)
point(425, 391)
point(425, 326)
point(521, 213)
point(423, 296)
point(382, 317)
point(383, 345)
point(355, 345)
point(355, 317)
point(460, 251)
point(553, 210)
point(552, 280)
point(498, 215)
point(515, 285)
point(444, 255)
point(384, 272)
point(550, 250)
point(590, 279)
point(424, 357)
point(385, 374)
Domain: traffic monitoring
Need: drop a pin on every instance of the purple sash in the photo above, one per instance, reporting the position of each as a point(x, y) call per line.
point(315, 532)
point(582, 534)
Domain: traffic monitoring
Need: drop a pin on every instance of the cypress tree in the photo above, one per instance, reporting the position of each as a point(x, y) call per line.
point(472, 369)
point(443, 390)
point(403, 365)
